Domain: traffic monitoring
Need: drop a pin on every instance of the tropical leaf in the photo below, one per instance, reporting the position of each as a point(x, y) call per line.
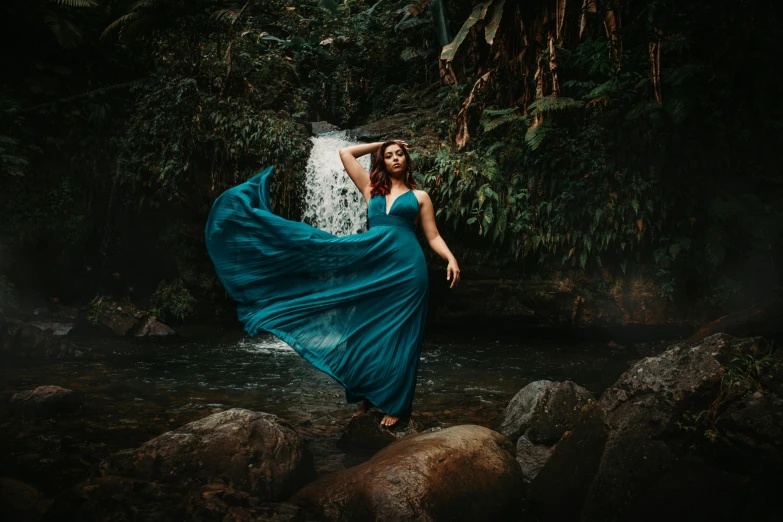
point(330, 5)
point(371, 9)
point(439, 23)
point(479, 12)
point(119, 24)
point(492, 119)
point(553, 104)
point(410, 53)
point(494, 21)
point(225, 15)
point(75, 3)
point(536, 133)
point(67, 35)
point(410, 23)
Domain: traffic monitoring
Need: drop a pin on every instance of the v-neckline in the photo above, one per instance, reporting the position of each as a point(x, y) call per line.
point(389, 208)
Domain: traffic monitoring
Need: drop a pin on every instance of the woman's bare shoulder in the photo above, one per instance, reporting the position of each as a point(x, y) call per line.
point(421, 195)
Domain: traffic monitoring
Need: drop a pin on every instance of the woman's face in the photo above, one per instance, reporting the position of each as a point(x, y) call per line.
point(394, 158)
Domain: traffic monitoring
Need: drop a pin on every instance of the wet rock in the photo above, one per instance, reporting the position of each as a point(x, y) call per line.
point(254, 452)
point(366, 432)
point(322, 127)
point(631, 301)
point(119, 499)
point(46, 401)
point(19, 339)
point(459, 473)
point(20, 502)
point(122, 499)
point(531, 458)
point(544, 410)
point(107, 317)
point(655, 424)
point(217, 502)
point(150, 326)
point(751, 429)
point(390, 128)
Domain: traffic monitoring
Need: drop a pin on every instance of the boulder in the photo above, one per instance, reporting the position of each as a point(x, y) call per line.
point(365, 431)
point(123, 499)
point(150, 326)
point(254, 452)
point(20, 502)
point(322, 127)
point(667, 437)
point(106, 316)
point(46, 401)
point(19, 339)
point(458, 473)
point(543, 410)
point(531, 458)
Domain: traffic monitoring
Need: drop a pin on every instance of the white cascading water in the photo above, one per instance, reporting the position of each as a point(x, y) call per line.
point(331, 200)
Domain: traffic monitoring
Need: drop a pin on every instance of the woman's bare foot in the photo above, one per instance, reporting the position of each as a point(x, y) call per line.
point(363, 407)
point(389, 420)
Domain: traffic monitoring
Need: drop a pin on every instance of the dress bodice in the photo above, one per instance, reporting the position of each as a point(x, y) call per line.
point(403, 211)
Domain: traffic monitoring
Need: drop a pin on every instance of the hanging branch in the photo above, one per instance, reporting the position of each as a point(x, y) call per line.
point(463, 118)
point(588, 6)
point(228, 49)
point(553, 67)
point(612, 24)
point(655, 66)
point(560, 10)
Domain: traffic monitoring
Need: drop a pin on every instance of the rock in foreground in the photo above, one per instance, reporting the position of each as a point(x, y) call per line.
point(20, 502)
point(366, 432)
point(254, 452)
point(18, 339)
point(46, 401)
point(543, 410)
point(460, 473)
point(120, 318)
point(123, 499)
point(531, 458)
point(664, 442)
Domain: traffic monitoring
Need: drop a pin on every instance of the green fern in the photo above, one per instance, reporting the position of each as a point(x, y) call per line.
point(536, 133)
point(553, 104)
point(67, 34)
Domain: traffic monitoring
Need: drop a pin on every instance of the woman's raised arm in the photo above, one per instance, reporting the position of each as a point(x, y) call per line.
point(359, 176)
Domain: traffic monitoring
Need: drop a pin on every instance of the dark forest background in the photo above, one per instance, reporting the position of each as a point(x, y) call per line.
point(569, 135)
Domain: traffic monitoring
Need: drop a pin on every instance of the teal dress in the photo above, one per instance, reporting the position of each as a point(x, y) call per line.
point(353, 306)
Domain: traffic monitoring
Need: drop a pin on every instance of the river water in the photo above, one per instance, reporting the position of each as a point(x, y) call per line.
point(137, 389)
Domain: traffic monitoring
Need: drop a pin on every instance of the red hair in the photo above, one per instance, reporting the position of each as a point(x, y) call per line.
point(379, 178)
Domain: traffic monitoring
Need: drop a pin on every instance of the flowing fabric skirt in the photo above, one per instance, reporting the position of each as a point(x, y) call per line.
point(353, 306)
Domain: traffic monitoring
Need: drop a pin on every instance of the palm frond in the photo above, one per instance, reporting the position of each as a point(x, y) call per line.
point(119, 23)
point(67, 35)
point(75, 3)
point(411, 53)
point(228, 15)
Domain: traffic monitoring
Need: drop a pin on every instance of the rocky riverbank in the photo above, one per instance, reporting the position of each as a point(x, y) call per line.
point(696, 429)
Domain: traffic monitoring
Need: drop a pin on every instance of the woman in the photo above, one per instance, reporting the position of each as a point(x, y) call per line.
point(353, 306)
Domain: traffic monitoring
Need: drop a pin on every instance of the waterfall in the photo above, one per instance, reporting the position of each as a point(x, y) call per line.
point(331, 201)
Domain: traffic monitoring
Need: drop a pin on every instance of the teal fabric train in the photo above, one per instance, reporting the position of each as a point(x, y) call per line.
point(353, 306)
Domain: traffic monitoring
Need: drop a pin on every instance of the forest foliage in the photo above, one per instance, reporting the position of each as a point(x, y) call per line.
point(588, 135)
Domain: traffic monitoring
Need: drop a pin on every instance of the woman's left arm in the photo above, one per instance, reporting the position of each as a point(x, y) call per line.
point(427, 215)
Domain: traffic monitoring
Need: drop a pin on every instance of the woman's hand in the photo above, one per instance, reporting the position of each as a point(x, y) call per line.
point(452, 273)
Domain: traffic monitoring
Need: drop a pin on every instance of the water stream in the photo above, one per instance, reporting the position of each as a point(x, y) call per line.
point(331, 201)
point(137, 389)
